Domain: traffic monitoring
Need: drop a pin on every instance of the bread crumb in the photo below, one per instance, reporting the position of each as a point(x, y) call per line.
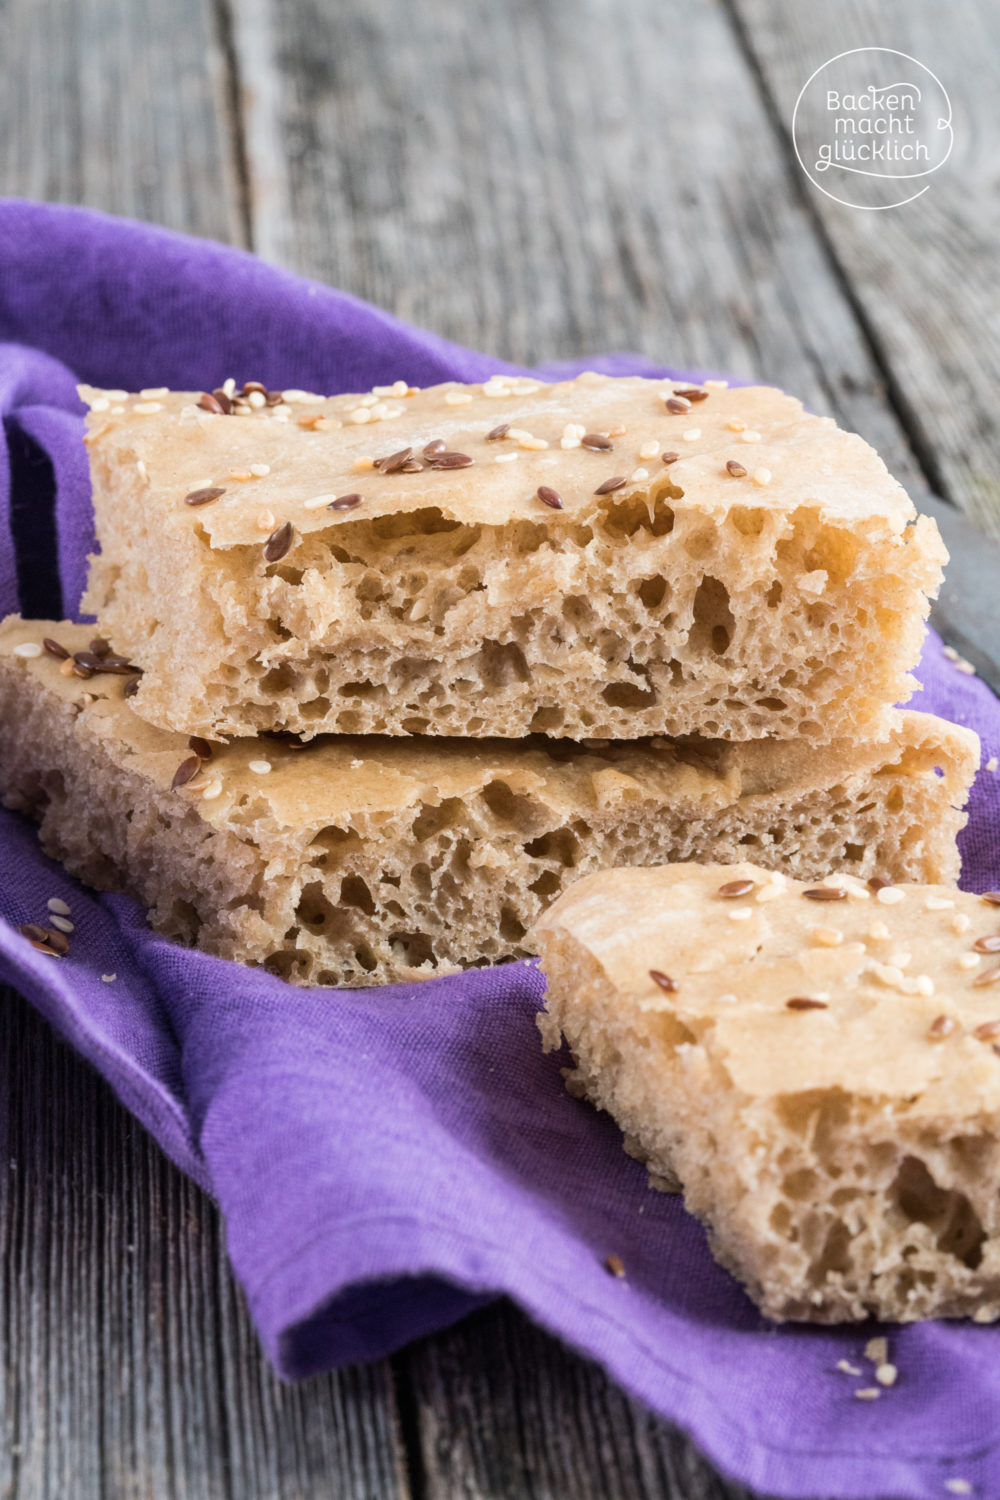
point(108, 978)
point(877, 1350)
point(886, 1374)
point(868, 1393)
point(958, 1486)
point(846, 1368)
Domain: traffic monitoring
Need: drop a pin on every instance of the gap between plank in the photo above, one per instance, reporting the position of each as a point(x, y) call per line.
point(408, 1416)
point(896, 398)
point(235, 117)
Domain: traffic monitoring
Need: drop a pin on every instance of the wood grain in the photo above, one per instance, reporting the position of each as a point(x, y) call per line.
point(922, 278)
point(507, 1413)
point(129, 1367)
point(122, 105)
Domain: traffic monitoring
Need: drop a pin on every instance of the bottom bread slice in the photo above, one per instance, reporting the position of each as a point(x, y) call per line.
point(362, 859)
point(818, 1067)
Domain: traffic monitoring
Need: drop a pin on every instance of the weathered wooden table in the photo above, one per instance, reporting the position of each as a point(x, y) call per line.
point(537, 180)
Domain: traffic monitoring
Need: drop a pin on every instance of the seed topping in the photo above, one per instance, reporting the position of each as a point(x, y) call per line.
point(279, 542)
point(734, 888)
point(186, 771)
point(549, 497)
point(610, 485)
point(446, 460)
point(394, 462)
point(204, 496)
point(826, 893)
point(940, 1027)
point(989, 944)
point(735, 468)
point(668, 985)
point(499, 431)
point(200, 747)
point(988, 976)
point(345, 502)
point(615, 1266)
point(597, 442)
point(54, 649)
point(805, 1002)
point(677, 404)
point(669, 458)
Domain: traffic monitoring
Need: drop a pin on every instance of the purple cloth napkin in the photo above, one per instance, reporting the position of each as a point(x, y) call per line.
point(387, 1159)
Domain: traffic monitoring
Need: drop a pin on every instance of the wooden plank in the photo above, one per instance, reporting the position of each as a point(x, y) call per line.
point(506, 1412)
point(129, 1367)
point(923, 277)
point(125, 106)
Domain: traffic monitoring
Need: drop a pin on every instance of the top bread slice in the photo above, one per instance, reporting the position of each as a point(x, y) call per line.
point(598, 557)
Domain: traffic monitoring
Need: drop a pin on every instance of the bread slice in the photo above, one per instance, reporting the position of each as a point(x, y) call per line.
point(821, 1075)
point(364, 859)
point(315, 565)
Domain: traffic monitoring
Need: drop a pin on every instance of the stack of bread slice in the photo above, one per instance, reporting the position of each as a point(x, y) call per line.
point(375, 678)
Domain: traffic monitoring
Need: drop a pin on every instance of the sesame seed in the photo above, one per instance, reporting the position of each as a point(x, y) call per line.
point(950, 653)
point(186, 771)
point(147, 408)
point(108, 978)
point(99, 403)
point(847, 1368)
point(734, 888)
point(740, 913)
point(359, 415)
point(691, 435)
point(241, 476)
point(989, 944)
point(259, 767)
point(888, 974)
point(960, 922)
point(457, 398)
point(665, 982)
point(28, 650)
point(992, 763)
point(868, 1393)
point(735, 468)
point(988, 976)
point(890, 895)
point(878, 931)
point(265, 520)
point(58, 906)
point(638, 475)
point(965, 666)
point(769, 893)
point(363, 465)
point(750, 436)
point(212, 790)
point(533, 444)
point(204, 496)
point(966, 961)
point(736, 425)
point(938, 903)
point(318, 501)
point(549, 497)
point(958, 1486)
point(939, 1028)
point(827, 937)
point(610, 485)
point(804, 1002)
point(597, 442)
point(826, 893)
point(669, 458)
point(61, 923)
point(279, 542)
point(761, 477)
point(140, 468)
point(677, 404)
point(716, 385)
point(649, 450)
point(886, 1374)
point(500, 431)
point(614, 1265)
point(259, 470)
point(506, 458)
point(924, 985)
point(257, 399)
